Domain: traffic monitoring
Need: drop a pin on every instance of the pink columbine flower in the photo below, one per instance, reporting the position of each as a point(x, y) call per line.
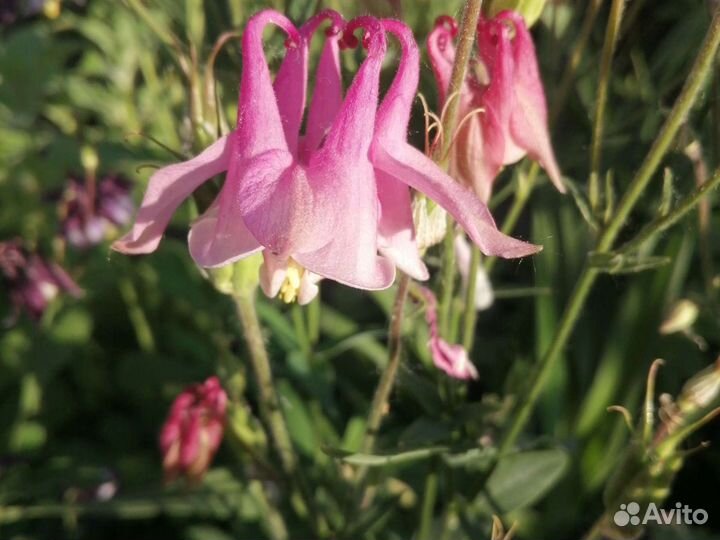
point(452, 359)
point(399, 166)
point(193, 430)
point(333, 202)
point(503, 96)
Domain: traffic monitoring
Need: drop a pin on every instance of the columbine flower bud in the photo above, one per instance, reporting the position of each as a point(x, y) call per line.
point(31, 281)
point(452, 359)
point(701, 391)
point(193, 430)
point(682, 316)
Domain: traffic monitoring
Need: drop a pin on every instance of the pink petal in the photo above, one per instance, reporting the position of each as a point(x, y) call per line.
point(351, 133)
point(441, 51)
point(412, 167)
point(348, 200)
point(272, 273)
point(393, 114)
point(528, 123)
point(290, 87)
point(283, 205)
point(309, 288)
point(353, 267)
point(476, 159)
point(167, 189)
point(327, 97)
point(396, 231)
point(260, 126)
point(452, 359)
point(498, 97)
point(211, 249)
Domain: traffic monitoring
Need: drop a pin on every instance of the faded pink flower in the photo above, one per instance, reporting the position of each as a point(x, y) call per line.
point(193, 430)
point(452, 359)
point(504, 96)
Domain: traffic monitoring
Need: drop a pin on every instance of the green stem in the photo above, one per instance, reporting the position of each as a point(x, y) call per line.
point(574, 62)
point(611, 36)
point(269, 401)
point(693, 85)
point(678, 114)
point(387, 379)
point(466, 38)
point(428, 505)
point(447, 279)
point(662, 223)
point(470, 316)
point(270, 405)
point(301, 332)
point(136, 314)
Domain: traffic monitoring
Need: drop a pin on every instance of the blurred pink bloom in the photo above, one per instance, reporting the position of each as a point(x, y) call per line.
point(193, 430)
point(484, 295)
point(452, 359)
point(504, 96)
point(89, 210)
point(31, 281)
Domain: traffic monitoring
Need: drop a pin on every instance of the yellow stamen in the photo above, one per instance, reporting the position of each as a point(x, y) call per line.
point(291, 285)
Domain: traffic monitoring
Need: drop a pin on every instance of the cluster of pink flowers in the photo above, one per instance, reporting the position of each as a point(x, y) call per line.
point(333, 202)
point(193, 430)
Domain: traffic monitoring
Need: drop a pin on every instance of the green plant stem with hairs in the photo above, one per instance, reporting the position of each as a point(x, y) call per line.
point(466, 38)
point(611, 35)
point(270, 405)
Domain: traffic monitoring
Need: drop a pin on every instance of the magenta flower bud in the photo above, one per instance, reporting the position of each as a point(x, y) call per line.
point(193, 430)
point(452, 359)
point(32, 281)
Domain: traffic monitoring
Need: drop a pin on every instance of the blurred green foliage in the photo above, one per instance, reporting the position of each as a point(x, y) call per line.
point(84, 392)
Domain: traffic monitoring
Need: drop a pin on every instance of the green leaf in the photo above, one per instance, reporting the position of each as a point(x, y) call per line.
point(521, 479)
point(300, 425)
point(616, 263)
point(384, 460)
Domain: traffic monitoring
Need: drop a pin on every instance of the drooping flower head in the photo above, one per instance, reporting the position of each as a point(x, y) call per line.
point(502, 101)
point(305, 199)
point(193, 430)
point(332, 202)
point(89, 211)
point(31, 281)
point(452, 359)
point(400, 166)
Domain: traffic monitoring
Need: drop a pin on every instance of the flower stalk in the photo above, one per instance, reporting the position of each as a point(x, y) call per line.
point(466, 38)
point(611, 36)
